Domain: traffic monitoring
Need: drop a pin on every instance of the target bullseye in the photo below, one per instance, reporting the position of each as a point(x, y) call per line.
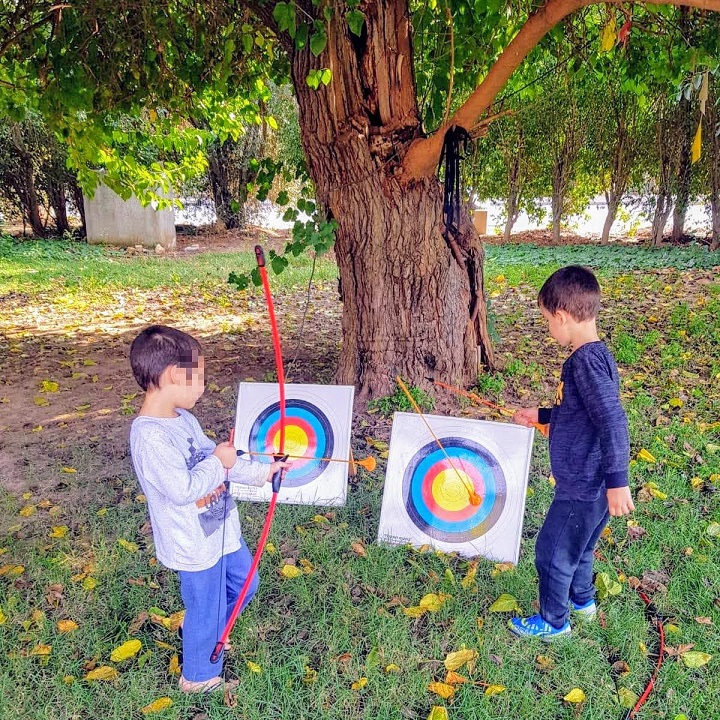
point(307, 432)
point(436, 490)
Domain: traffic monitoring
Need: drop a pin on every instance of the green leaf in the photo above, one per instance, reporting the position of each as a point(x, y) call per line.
point(606, 586)
point(313, 79)
point(282, 198)
point(713, 530)
point(505, 603)
point(695, 659)
point(318, 41)
point(355, 20)
point(627, 697)
point(326, 76)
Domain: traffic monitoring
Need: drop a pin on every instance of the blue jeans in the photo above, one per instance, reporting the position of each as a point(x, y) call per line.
point(209, 596)
point(564, 555)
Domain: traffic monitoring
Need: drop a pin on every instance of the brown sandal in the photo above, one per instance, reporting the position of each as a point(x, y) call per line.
point(206, 687)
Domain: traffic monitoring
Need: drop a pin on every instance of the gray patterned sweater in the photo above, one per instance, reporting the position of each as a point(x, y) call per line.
point(174, 463)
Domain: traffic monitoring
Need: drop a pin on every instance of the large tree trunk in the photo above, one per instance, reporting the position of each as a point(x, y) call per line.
point(613, 203)
point(230, 172)
point(712, 118)
point(413, 302)
point(683, 177)
point(666, 153)
point(623, 153)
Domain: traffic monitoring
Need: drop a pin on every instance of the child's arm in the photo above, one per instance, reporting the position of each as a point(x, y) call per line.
point(600, 397)
point(164, 467)
point(247, 472)
point(529, 417)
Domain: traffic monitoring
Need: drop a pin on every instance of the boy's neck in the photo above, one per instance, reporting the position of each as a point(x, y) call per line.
point(158, 404)
point(582, 333)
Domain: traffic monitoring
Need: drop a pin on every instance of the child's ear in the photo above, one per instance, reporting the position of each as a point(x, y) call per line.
point(173, 375)
point(562, 316)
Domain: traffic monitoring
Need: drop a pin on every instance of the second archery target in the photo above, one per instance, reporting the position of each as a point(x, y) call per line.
point(427, 498)
point(318, 423)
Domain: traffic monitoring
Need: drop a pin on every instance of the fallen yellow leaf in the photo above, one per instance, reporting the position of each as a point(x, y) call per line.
point(129, 546)
point(28, 510)
point(646, 456)
point(89, 583)
point(695, 659)
point(174, 665)
point(392, 667)
point(442, 689)
point(290, 571)
point(253, 667)
point(455, 660)
point(452, 678)
point(104, 672)
point(270, 549)
point(469, 579)
point(157, 706)
point(3, 617)
point(438, 712)
point(126, 650)
point(494, 689)
point(66, 626)
point(359, 684)
point(576, 695)
point(59, 531)
point(415, 611)
point(41, 650)
point(432, 602)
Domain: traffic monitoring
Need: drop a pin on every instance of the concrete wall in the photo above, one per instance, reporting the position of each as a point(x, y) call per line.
point(112, 220)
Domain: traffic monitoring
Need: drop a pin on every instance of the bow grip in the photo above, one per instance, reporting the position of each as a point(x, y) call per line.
point(277, 477)
point(260, 256)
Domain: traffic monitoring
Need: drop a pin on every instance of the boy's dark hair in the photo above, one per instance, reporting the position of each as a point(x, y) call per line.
point(573, 289)
point(158, 347)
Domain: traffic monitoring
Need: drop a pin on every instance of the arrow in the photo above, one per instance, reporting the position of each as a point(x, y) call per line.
point(475, 499)
point(507, 412)
point(368, 463)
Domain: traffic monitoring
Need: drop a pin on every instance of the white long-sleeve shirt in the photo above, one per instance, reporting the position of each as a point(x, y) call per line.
point(175, 466)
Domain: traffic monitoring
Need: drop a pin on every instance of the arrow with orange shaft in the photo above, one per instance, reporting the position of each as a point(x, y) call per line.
point(508, 412)
point(368, 463)
point(475, 499)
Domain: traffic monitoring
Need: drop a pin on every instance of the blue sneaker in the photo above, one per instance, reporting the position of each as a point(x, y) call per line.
point(535, 626)
point(588, 611)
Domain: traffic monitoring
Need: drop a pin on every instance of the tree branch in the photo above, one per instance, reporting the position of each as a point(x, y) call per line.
point(423, 156)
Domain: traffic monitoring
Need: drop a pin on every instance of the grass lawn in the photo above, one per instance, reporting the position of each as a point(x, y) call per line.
point(77, 574)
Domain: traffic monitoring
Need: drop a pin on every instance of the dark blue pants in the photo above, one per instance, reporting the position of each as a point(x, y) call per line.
point(564, 555)
point(209, 597)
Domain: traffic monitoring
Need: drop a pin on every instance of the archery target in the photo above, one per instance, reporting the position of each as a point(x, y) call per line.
point(318, 423)
point(428, 489)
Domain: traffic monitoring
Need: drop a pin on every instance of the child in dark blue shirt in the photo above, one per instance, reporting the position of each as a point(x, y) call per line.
point(589, 454)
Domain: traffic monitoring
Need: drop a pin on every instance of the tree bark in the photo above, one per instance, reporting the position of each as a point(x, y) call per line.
point(712, 118)
point(230, 172)
point(565, 156)
point(684, 125)
point(666, 154)
point(413, 302)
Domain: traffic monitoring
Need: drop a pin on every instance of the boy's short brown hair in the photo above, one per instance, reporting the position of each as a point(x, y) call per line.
point(573, 289)
point(158, 347)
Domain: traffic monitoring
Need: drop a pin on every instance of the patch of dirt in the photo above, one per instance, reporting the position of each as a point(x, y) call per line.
point(67, 394)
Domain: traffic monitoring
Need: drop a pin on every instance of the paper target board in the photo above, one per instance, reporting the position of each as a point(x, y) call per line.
point(426, 499)
point(318, 424)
